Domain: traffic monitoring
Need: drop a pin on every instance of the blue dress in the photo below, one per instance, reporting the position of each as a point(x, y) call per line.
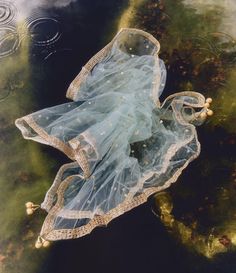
point(124, 144)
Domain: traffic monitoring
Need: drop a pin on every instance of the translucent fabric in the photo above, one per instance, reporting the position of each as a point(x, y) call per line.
point(124, 144)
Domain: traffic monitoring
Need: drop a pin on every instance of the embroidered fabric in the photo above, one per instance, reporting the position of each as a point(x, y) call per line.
point(124, 144)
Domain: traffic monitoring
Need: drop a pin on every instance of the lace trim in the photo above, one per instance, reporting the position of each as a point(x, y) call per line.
point(49, 197)
point(130, 202)
point(74, 87)
point(74, 154)
point(49, 233)
point(199, 96)
point(80, 156)
point(72, 214)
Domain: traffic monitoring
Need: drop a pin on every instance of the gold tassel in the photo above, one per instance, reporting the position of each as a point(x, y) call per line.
point(41, 242)
point(31, 207)
point(205, 110)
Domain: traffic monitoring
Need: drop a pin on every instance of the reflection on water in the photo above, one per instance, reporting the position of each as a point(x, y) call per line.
point(128, 14)
point(226, 9)
point(42, 30)
point(201, 57)
point(22, 164)
point(188, 230)
point(199, 48)
point(26, 8)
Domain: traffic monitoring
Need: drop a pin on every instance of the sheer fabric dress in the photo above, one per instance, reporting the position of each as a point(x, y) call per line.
point(124, 144)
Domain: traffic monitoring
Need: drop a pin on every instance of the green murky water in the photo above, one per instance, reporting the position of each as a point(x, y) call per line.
point(188, 228)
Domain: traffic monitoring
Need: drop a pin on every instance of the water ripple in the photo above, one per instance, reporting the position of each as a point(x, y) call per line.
point(44, 31)
point(7, 12)
point(9, 40)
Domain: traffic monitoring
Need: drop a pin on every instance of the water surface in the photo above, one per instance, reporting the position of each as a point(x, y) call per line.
point(190, 227)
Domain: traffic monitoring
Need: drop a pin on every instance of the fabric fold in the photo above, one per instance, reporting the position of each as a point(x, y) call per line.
point(125, 145)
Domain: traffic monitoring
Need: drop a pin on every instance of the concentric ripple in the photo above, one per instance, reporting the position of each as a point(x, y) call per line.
point(44, 31)
point(9, 41)
point(7, 12)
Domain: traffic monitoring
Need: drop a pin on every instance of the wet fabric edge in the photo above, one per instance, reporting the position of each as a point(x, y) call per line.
point(47, 231)
point(74, 154)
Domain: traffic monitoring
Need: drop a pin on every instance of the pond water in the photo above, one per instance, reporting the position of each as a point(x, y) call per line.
point(191, 227)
